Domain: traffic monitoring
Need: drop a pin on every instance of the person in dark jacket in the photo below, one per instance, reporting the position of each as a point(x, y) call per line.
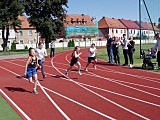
point(131, 50)
point(109, 48)
point(115, 48)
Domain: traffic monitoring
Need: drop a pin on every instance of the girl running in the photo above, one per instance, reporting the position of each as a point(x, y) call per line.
point(75, 55)
point(92, 56)
point(30, 68)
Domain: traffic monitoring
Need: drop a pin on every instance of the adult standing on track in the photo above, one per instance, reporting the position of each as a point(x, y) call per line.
point(91, 56)
point(124, 44)
point(157, 47)
point(131, 51)
point(115, 48)
point(109, 48)
point(52, 49)
point(41, 53)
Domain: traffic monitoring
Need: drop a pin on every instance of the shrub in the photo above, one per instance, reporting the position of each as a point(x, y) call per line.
point(26, 47)
point(13, 46)
point(73, 43)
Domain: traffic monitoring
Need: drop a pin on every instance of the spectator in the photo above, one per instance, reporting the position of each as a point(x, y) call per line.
point(115, 48)
point(142, 54)
point(109, 48)
point(52, 47)
point(124, 44)
point(157, 48)
point(131, 51)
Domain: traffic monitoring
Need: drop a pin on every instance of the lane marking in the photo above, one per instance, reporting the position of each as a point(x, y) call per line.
point(124, 108)
point(42, 87)
point(50, 99)
point(15, 105)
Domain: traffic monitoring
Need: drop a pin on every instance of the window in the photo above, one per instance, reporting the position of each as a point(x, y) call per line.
point(31, 41)
point(121, 31)
point(21, 33)
point(144, 32)
point(131, 31)
point(116, 31)
point(112, 31)
point(124, 31)
point(30, 32)
point(21, 42)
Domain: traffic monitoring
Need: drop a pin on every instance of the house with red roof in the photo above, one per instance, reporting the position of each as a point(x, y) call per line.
point(80, 27)
point(111, 26)
point(132, 28)
point(147, 30)
point(26, 34)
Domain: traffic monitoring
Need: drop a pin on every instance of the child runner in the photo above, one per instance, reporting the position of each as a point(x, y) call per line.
point(92, 56)
point(75, 55)
point(30, 68)
point(41, 53)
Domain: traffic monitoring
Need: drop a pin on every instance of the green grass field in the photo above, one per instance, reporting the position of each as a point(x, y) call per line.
point(102, 54)
point(7, 112)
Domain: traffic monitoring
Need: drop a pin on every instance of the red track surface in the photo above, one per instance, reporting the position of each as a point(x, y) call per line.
point(110, 92)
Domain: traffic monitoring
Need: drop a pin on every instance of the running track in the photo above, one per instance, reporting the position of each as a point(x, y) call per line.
point(110, 92)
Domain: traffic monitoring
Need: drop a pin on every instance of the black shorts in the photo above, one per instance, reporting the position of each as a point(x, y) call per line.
point(73, 61)
point(91, 58)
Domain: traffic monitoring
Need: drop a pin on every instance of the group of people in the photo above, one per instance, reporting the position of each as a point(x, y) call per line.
point(112, 46)
point(35, 61)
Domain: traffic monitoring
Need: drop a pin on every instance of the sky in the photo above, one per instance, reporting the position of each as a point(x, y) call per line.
point(126, 9)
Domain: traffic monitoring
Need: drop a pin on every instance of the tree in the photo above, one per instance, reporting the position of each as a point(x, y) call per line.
point(47, 16)
point(9, 12)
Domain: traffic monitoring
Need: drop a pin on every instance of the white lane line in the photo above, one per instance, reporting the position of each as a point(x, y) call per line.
point(101, 89)
point(114, 103)
point(50, 99)
point(106, 90)
point(42, 87)
point(115, 71)
point(113, 80)
point(15, 105)
point(108, 79)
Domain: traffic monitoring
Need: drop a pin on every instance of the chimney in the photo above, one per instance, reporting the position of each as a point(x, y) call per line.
point(82, 14)
point(103, 17)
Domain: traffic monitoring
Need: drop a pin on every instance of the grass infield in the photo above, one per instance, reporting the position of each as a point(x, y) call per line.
point(7, 112)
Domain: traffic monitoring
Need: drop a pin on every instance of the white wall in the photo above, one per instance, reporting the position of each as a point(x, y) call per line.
point(11, 33)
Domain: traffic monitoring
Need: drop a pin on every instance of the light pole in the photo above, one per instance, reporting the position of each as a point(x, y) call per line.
point(140, 30)
point(148, 27)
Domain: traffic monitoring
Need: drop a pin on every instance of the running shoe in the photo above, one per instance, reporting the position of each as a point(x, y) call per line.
point(79, 73)
point(35, 92)
point(66, 73)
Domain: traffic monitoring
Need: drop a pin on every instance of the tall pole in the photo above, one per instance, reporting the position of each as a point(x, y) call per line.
point(140, 26)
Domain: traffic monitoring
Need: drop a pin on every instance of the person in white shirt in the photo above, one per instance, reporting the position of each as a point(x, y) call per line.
point(52, 47)
point(91, 56)
point(41, 53)
point(157, 48)
point(124, 44)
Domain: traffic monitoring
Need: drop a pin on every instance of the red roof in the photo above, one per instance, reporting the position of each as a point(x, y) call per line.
point(79, 20)
point(129, 24)
point(24, 22)
point(110, 23)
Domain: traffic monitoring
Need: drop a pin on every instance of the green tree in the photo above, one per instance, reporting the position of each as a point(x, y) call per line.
point(47, 16)
point(9, 12)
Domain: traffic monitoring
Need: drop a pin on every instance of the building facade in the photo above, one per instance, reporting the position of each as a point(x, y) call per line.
point(111, 26)
point(80, 27)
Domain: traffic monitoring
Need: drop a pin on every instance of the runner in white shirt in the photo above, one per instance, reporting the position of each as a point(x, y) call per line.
point(41, 53)
point(92, 56)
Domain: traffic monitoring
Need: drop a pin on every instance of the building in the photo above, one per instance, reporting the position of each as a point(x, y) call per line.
point(26, 34)
point(111, 26)
point(132, 28)
point(80, 27)
point(147, 30)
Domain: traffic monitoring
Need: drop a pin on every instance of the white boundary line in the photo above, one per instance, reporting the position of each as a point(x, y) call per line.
point(102, 96)
point(115, 81)
point(67, 98)
point(16, 106)
point(50, 99)
point(97, 87)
